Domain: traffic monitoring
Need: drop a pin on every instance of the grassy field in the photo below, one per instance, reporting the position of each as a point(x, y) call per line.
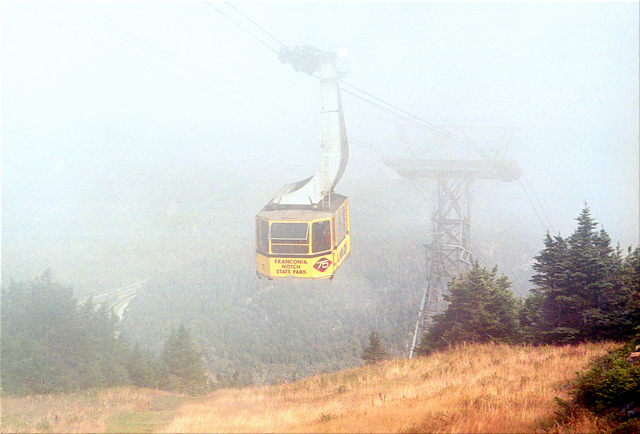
point(95, 411)
point(468, 389)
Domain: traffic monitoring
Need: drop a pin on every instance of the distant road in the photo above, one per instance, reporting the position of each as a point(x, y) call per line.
point(117, 300)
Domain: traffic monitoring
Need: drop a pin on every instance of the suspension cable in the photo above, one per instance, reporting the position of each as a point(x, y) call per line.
point(412, 119)
point(548, 223)
point(243, 28)
point(308, 123)
point(256, 24)
point(368, 98)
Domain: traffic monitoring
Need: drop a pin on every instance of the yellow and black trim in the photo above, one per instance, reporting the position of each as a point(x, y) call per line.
point(302, 242)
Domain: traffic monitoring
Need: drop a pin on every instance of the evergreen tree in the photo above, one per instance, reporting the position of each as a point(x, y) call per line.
point(50, 344)
point(237, 380)
point(38, 346)
point(182, 363)
point(533, 321)
point(617, 314)
point(374, 352)
point(102, 357)
point(550, 297)
point(481, 308)
point(142, 368)
point(585, 290)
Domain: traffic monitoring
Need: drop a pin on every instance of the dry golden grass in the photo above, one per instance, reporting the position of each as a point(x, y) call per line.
point(468, 389)
point(82, 412)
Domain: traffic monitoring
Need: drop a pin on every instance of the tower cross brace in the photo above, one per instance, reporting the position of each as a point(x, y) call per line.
point(449, 253)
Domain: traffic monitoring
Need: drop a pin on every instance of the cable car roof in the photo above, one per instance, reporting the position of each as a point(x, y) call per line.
point(274, 211)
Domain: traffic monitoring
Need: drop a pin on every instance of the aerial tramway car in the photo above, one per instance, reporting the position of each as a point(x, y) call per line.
point(303, 243)
point(303, 232)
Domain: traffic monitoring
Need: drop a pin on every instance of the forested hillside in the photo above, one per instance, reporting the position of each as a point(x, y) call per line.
point(262, 328)
point(265, 327)
point(195, 244)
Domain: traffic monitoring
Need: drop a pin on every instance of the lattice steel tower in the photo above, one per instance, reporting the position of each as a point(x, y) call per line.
point(449, 253)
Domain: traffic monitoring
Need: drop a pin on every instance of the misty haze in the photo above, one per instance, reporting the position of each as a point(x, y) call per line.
point(141, 139)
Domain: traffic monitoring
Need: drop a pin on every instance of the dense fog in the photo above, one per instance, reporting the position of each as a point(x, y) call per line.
point(140, 139)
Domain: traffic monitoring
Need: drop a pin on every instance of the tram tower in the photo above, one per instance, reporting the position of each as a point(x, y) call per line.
point(449, 252)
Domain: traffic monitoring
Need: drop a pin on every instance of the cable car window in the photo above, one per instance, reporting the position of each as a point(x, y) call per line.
point(289, 238)
point(289, 231)
point(321, 236)
point(341, 223)
point(333, 237)
point(262, 235)
point(298, 249)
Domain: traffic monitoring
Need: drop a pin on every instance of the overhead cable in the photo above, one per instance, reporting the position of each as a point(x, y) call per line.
point(368, 98)
point(547, 225)
point(256, 24)
point(242, 27)
point(414, 120)
point(184, 64)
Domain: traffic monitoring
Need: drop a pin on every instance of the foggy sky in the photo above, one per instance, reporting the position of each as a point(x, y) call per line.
point(91, 90)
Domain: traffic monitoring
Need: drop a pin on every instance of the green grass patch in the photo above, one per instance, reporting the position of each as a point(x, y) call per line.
point(161, 412)
point(139, 421)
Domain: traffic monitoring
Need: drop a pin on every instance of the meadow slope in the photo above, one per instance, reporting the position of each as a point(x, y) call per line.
point(467, 389)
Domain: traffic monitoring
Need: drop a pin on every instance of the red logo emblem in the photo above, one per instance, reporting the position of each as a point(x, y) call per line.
point(322, 265)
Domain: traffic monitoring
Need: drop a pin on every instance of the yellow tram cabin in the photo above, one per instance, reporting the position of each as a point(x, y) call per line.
point(302, 242)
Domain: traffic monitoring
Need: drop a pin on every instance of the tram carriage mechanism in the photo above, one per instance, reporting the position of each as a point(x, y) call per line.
point(303, 232)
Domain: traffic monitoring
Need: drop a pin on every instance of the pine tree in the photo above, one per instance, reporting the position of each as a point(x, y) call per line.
point(182, 363)
point(374, 352)
point(142, 368)
point(551, 296)
point(584, 290)
point(50, 344)
point(618, 308)
point(533, 321)
point(102, 360)
point(481, 308)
